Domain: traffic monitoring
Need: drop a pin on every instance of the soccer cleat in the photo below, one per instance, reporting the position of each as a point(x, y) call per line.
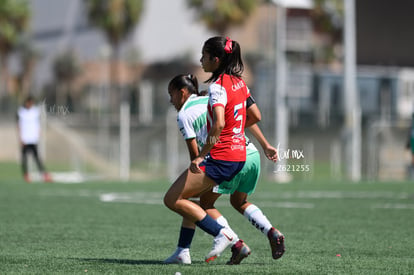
point(277, 243)
point(225, 238)
point(26, 178)
point(180, 256)
point(239, 251)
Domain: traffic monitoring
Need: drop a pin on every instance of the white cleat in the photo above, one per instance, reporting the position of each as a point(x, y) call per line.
point(180, 256)
point(225, 238)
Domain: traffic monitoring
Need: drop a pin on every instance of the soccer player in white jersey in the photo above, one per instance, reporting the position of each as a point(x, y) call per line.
point(191, 120)
point(28, 119)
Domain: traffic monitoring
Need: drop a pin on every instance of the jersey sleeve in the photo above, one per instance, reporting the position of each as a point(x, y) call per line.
point(217, 95)
point(185, 126)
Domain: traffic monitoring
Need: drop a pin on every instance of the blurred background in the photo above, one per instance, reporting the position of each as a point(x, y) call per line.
point(334, 80)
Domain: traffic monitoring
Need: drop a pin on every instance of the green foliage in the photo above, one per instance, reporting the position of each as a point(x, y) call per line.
point(66, 66)
point(14, 16)
point(27, 50)
point(328, 15)
point(219, 15)
point(328, 18)
point(115, 17)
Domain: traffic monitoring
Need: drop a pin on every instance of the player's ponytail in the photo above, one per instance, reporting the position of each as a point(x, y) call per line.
point(188, 81)
point(194, 87)
point(229, 53)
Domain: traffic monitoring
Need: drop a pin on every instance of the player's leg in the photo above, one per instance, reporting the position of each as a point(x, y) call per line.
point(192, 185)
point(207, 201)
point(182, 252)
point(25, 171)
point(39, 163)
point(246, 186)
point(33, 148)
point(253, 213)
point(239, 249)
point(256, 217)
point(186, 186)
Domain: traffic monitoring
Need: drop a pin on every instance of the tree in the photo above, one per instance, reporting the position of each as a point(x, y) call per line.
point(14, 17)
point(27, 57)
point(116, 18)
point(66, 68)
point(328, 18)
point(219, 15)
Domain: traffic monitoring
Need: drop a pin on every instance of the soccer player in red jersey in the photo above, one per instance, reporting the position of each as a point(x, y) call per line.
point(192, 122)
point(224, 152)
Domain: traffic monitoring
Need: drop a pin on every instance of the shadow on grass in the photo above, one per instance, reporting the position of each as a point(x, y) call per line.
point(127, 261)
point(119, 261)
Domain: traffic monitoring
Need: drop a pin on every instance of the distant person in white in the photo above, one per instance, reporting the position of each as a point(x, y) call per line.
point(28, 118)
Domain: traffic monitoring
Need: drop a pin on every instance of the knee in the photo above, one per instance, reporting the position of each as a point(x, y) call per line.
point(169, 201)
point(207, 205)
point(235, 203)
point(238, 204)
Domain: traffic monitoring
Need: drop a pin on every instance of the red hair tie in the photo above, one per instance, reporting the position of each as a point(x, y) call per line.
point(229, 45)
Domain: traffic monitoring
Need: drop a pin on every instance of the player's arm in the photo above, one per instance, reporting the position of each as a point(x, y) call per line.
point(19, 130)
point(215, 131)
point(189, 135)
point(253, 114)
point(192, 148)
point(269, 150)
point(212, 137)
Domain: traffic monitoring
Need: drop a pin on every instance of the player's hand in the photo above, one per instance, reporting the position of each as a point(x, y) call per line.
point(271, 153)
point(194, 166)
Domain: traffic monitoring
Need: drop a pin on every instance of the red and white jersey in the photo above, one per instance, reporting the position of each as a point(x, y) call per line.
point(231, 93)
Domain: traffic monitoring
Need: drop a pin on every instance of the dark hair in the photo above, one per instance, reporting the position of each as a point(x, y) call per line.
point(230, 60)
point(188, 81)
point(28, 99)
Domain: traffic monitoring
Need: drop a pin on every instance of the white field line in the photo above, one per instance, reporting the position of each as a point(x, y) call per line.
point(69, 177)
point(136, 197)
point(335, 195)
point(393, 206)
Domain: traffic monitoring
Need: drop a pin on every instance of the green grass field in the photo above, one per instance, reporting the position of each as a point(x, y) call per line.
point(123, 228)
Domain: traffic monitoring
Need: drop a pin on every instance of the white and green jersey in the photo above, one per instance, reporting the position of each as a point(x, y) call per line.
point(192, 119)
